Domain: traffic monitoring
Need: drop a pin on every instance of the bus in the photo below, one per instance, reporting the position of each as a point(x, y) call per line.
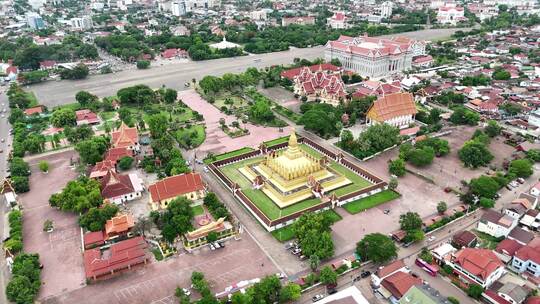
point(430, 269)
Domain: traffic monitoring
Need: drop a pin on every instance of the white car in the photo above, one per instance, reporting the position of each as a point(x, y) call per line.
point(431, 238)
point(281, 275)
point(186, 291)
point(317, 297)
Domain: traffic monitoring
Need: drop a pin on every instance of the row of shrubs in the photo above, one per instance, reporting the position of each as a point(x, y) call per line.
point(445, 220)
point(15, 244)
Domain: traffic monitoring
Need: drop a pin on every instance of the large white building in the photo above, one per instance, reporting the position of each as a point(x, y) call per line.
point(178, 8)
point(510, 3)
point(450, 14)
point(34, 21)
point(81, 23)
point(374, 57)
point(386, 9)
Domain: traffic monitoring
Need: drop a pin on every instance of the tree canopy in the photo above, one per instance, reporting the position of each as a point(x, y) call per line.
point(313, 233)
point(376, 247)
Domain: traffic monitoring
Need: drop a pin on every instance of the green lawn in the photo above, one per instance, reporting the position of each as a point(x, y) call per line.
point(486, 240)
point(33, 100)
point(196, 134)
point(108, 115)
point(197, 210)
point(271, 210)
point(370, 201)
point(238, 102)
point(228, 155)
point(276, 141)
point(358, 181)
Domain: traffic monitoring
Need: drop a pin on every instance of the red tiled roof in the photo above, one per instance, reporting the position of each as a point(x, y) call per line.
point(34, 110)
point(327, 67)
point(86, 115)
point(114, 185)
point(530, 252)
point(399, 283)
point(533, 300)
point(119, 224)
point(101, 168)
point(47, 64)
point(94, 238)
point(115, 154)
point(480, 262)
point(508, 247)
point(176, 185)
point(121, 255)
point(125, 137)
point(391, 106)
point(390, 268)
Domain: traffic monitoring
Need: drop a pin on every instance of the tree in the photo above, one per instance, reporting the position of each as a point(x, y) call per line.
point(533, 155)
point(20, 184)
point(43, 166)
point(290, 293)
point(328, 276)
point(376, 247)
point(393, 183)
point(475, 291)
point(137, 95)
point(80, 71)
point(410, 221)
point(95, 218)
point(474, 154)
point(125, 163)
point(158, 125)
point(25, 283)
point(78, 196)
point(484, 186)
point(520, 168)
point(143, 64)
point(177, 219)
point(212, 237)
point(463, 116)
point(314, 262)
point(268, 290)
point(492, 129)
point(169, 95)
point(313, 233)
point(500, 74)
point(421, 157)
point(183, 298)
point(85, 99)
point(261, 112)
point(91, 150)
point(486, 203)
point(397, 167)
point(441, 207)
point(18, 167)
point(20, 290)
point(63, 117)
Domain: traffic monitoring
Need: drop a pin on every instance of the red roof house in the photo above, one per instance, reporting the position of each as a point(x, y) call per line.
point(86, 117)
point(189, 185)
point(125, 137)
point(34, 110)
point(93, 239)
point(477, 266)
point(399, 283)
point(119, 257)
point(113, 155)
point(326, 67)
point(119, 188)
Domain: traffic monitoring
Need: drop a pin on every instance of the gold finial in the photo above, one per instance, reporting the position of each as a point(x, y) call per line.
point(293, 142)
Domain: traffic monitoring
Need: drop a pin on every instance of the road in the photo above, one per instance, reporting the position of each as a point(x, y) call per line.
point(174, 75)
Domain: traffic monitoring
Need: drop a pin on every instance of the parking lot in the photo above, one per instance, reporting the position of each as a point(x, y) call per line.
point(156, 282)
point(59, 251)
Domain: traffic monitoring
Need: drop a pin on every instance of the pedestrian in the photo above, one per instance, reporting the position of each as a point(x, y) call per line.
point(262, 264)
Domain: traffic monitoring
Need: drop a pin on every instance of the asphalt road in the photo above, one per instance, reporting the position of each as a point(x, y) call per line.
point(174, 75)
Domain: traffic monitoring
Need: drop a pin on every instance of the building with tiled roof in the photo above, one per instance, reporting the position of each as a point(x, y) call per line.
point(119, 188)
point(386, 271)
point(329, 68)
point(376, 88)
point(397, 110)
point(119, 225)
point(397, 284)
point(507, 248)
point(477, 266)
point(300, 20)
point(100, 169)
point(527, 259)
point(328, 87)
point(121, 256)
point(337, 21)
point(86, 117)
point(464, 238)
point(374, 57)
point(496, 224)
point(189, 185)
point(126, 137)
point(93, 239)
point(115, 154)
point(521, 235)
point(34, 110)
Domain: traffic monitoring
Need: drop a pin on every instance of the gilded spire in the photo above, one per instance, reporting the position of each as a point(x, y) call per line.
point(293, 142)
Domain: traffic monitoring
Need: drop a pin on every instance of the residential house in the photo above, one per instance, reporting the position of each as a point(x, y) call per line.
point(86, 117)
point(423, 294)
point(34, 110)
point(118, 188)
point(464, 238)
point(496, 224)
point(126, 137)
point(121, 256)
point(535, 190)
point(527, 259)
point(531, 220)
point(424, 61)
point(396, 285)
point(115, 154)
point(509, 292)
point(386, 271)
point(377, 88)
point(506, 249)
point(443, 254)
point(521, 235)
point(119, 225)
point(337, 21)
point(397, 110)
point(477, 266)
point(517, 208)
point(189, 185)
point(451, 14)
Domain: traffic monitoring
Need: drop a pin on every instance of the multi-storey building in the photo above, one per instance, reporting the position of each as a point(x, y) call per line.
point(374, 57)
point(386, 9)
point(178, 8)
point(450, 14)
point(527, 259)
point(477, 266)
point(81, 23)
point(34, 21)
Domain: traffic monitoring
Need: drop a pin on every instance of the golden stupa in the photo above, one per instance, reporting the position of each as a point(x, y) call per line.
point(285, 174)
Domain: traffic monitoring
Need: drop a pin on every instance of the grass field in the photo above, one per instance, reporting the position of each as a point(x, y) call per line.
point(197, 210)
point(370, 201)
point(358, 181)
point(196, 140)
point(228, 155)
point(276, 141)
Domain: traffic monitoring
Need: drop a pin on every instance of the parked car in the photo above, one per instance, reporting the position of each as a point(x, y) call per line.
point(365, 274)
point(331, 291)
point(317, 297)
point(521, 180)
point(187, 292)
point(281, 275)
point(303, 258)
point(212, 247)
point(508, 187)
point(222, 244)
point(431, 238)
point(296, 251)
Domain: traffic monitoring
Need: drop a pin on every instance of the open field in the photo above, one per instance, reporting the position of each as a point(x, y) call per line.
point(370, 201)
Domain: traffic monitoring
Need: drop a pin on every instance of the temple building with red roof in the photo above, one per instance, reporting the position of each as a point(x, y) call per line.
point(324, 85)
point(86, 117)
point(121, 256)
point(396, 109)
point(119, 225)
point(118, 188)
point(374, 57)
point(477, 266)
point(189, 185)
point(126, 137)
